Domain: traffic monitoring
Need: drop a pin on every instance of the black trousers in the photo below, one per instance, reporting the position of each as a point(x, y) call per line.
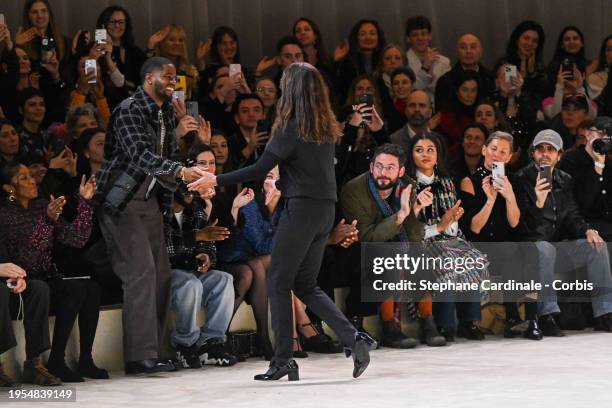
point(35, 317)
point(354, 305)
point(297, 252)
point(69, 299)
point(138, 254)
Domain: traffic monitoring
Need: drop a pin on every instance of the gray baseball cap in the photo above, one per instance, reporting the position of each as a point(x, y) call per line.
point(548, 136)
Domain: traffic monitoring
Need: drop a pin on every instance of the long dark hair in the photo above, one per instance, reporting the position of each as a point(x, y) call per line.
point(52, 31)
point(602, 63)
point(319, 44)
point(512, 54)
point(305, 99)
point(355, 55)
point(217, 37)
point(104, 18)
point(350, 96)
point(455, 103)
point(441, 170)
point(502, 122)
point(560, 52)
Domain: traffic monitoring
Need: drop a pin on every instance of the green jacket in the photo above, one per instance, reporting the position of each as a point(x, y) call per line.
point(358, 204)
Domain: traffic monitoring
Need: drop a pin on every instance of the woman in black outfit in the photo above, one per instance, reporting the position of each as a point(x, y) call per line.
point(491, 215)
point(302, 144)
point(127, 57)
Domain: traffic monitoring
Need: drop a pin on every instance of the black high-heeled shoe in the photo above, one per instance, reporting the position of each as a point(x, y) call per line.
point(299, 353)
point(361, 352)
point(275, 372)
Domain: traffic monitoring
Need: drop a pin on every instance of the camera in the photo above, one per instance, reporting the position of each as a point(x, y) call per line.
point(603, 145)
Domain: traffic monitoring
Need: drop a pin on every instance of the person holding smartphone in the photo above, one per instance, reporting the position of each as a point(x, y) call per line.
point(550, 214)
point(302, 146)
point(492, 215)
point(364, 130)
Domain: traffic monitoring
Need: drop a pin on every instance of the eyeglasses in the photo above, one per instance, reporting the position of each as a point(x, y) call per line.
point(380, 167)
point(265, 89)
point(116, 22)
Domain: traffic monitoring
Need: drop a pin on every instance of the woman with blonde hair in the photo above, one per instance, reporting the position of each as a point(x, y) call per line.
point(171, 42)
point(302, 145)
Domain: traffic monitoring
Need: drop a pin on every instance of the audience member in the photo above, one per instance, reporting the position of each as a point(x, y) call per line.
point(444, 238)
point(551, 214)
point(597, 80)
point(460, 111)
point(358, 55)
point(26, 216)
point(492, 215)
point(426, 62)
point(418, 116)
point(469, 53)
point(121, 65)
point(524, 50)
point(592, 178)
point(35, 296)
point(569, 48)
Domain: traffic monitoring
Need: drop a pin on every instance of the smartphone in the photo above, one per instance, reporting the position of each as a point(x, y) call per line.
point(510, 71)
point(47, 44)
point(179, 96)
point(263, 126)
point(2, 18)
point(193, 109)
point(91, 69)
point(234, 69)
point(567, 65)
point(497, 172)
point(546, 173)
point(368, 99)
point(100, 36)
point(57, 146)
point(366, 113)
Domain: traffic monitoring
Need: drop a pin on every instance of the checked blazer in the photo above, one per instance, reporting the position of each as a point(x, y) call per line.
point(132, 151)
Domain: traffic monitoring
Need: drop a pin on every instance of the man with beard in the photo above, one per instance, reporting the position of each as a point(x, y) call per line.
point(386, 209)
point(550, 214)
point(134, 190)
point(418, 113)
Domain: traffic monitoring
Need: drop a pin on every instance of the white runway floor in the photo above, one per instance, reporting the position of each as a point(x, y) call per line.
point(575, 371)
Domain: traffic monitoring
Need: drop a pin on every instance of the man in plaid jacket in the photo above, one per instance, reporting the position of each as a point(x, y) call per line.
point(134, 191)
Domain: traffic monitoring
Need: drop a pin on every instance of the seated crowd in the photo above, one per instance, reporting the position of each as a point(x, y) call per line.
point(416, 163)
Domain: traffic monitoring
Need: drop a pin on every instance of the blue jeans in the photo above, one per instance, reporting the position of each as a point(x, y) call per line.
point(582, 254)
point(192, 291)
point(444, 313)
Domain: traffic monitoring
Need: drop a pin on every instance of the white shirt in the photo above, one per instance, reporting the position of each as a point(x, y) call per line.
point(427, 81)
point(179, 218)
